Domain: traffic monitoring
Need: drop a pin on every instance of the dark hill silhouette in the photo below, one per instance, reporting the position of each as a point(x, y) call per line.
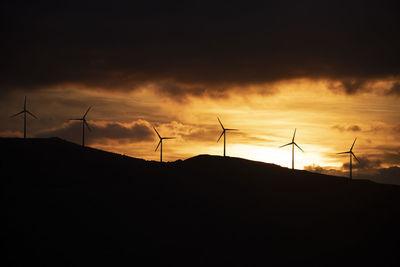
point(64, 205)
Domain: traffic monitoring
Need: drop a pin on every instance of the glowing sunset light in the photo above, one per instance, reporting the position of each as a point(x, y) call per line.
point(276, 79)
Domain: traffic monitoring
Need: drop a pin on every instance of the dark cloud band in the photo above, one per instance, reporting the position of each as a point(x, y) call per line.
point(188, 47)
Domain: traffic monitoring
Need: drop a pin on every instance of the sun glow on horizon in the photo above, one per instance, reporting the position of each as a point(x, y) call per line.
point(265, 122)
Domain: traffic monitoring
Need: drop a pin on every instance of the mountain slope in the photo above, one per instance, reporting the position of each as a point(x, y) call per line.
point(64, 205)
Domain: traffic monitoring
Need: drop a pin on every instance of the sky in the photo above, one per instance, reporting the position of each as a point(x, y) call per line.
point(330, 69)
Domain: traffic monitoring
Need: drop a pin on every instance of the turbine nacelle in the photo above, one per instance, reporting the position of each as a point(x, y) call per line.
point(162, 138)
point(351, 151)
point(83, 119)
point(24, 111)
point(293, 142)
point(224, 130)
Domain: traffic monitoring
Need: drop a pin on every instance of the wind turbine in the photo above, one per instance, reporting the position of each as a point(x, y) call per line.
point(84, 123)
point(350, 152)
point(25, 111)
point(224, 134)
point(160, 143)
point(293, 143)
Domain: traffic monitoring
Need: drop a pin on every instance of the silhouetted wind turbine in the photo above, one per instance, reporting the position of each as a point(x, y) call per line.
point(25, 111)
point(224, 134)
point(84, 123)
point(293, 143)
point(350, 152)
point(160, 143)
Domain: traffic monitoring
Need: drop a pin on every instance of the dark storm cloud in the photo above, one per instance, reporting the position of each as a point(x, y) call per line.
point(103, 132)
point(351, 128)
point(185, 47)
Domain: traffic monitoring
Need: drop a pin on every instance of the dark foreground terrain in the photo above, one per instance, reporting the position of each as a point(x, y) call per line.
point(65, 206)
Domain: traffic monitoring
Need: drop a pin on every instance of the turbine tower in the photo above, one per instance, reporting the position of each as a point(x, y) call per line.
point(293, 143)
point(160, 143)
point(25, 111)
point(224, 134)
point(84, 123)
point(350, 152)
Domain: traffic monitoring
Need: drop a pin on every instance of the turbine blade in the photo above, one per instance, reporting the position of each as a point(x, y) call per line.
point(221, 135)
point(17, 114)
point(355, 157)
point(169, 138)
point(159, 136)
point(298, 147)
point(158, 145)
point(344, 152)
point(87, 111)
point(31, 114)
point(25, 103)
point(294, 135)
point(221, 124)
point(75, 119)
point(231, 129)
point(87, 125)
point(353, 144)
point(286, 144)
